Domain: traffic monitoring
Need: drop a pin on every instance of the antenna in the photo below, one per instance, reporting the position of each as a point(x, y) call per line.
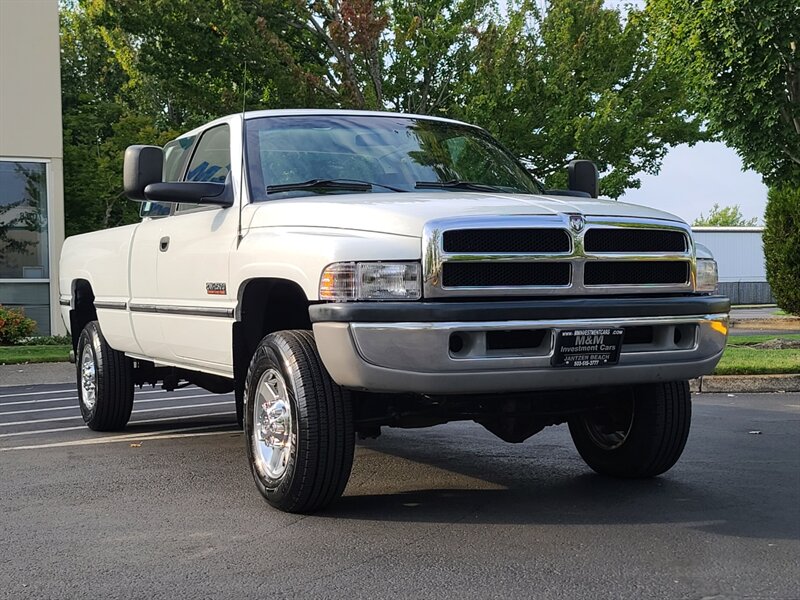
point(242, 170)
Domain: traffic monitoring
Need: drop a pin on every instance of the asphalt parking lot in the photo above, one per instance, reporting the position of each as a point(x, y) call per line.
point(167, 509)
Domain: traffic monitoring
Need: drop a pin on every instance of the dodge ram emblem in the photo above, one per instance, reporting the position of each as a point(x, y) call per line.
point(576, 222)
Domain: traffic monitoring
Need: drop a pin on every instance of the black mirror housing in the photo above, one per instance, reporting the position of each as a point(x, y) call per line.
point(583, 177)
point(190, 192)
point(142, 166)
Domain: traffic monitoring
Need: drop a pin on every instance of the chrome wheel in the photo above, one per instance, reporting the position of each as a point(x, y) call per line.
point(88, 379)
point(610, 428)
point(273, 434)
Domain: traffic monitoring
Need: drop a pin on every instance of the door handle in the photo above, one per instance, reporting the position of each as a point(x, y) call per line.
point(164, 243)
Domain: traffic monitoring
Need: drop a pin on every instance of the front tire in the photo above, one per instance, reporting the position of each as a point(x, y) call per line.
point(298, 425)
point(105, 381)
point(640, 435)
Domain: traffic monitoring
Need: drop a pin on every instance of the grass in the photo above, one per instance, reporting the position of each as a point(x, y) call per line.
point(740, 357)
point(741, 360)
point(16, 355)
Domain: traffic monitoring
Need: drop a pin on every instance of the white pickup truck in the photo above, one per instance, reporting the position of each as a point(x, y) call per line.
point(343, 271)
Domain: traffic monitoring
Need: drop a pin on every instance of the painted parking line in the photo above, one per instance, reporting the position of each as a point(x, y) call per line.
point(72, 389)
point(144, 410)
point(84, 428)
point(75, 397)
point(184, 432)
point(75, 407)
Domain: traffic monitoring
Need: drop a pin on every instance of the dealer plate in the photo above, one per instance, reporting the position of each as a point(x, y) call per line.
point(587, 347)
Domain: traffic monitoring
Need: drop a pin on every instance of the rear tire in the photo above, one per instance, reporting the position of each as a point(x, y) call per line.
point(641, 435)
point(298, 425)
point(105, 381)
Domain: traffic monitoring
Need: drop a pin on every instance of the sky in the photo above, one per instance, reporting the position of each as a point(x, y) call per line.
point(693, 179)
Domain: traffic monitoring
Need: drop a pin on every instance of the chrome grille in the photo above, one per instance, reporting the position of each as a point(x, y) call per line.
point(565, 255)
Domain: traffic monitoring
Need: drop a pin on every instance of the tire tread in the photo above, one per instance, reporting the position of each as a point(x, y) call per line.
point(662, 418)
point(114, 394)
point(326, 433)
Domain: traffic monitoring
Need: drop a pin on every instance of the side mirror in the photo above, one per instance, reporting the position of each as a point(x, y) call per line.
point(582, 176)
point(142, 166)
point(191, 192)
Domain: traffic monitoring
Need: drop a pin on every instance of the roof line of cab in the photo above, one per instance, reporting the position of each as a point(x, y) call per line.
point(256, 114)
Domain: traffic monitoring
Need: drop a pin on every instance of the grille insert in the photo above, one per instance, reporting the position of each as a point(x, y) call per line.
point(518, 241)
point(634, 240)
point(636, 273)
point(497, 274)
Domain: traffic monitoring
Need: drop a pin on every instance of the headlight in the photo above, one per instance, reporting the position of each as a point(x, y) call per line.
point(342, 282)
point(707, 277)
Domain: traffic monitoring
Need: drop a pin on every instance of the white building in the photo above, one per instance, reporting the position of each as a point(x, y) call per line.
point(739, 253)
point(31, 184)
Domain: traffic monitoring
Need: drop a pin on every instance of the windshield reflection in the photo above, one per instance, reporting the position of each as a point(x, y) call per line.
point(390, 153)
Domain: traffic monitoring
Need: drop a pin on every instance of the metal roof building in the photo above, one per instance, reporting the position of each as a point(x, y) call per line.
point(740, 256)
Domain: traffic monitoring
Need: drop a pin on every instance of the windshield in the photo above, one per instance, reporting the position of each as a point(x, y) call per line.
point(329, 154)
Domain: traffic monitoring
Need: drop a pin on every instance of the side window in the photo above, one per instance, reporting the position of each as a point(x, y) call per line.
point(176, 153)
point(211, 160)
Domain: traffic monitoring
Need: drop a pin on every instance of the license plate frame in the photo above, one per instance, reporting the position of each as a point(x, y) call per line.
point(588, 347)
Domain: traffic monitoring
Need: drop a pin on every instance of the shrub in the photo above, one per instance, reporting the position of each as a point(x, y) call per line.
point(14, 325)
point(782, 246)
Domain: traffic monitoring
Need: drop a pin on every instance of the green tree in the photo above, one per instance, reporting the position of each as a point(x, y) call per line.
point(740, 60)
point(375, 53)
point(724, 216)
point(429, 50)
point(185, 59)
point(99, 114)
point(782, 246)
point(578, 81)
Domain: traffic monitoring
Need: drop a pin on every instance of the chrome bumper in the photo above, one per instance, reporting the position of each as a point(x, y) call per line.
point(417, 356)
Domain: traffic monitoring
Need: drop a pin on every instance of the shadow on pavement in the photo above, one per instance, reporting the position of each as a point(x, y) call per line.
point(536, 486)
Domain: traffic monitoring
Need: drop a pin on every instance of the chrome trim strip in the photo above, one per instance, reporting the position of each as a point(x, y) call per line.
point(434, 256)
point(110, 305)
point(194, 311)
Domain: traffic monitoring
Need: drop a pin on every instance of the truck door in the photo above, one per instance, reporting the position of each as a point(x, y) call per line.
point(194, 245)
point(145, 320)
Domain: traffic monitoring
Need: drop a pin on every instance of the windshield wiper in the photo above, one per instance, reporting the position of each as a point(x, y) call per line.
point(458, 185)
point(353, 185)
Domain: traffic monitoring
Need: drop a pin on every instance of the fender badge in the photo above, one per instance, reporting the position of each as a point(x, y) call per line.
point(216, 288)
point(576, 222)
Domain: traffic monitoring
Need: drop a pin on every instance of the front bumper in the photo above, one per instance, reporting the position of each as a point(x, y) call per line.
point(406, 347)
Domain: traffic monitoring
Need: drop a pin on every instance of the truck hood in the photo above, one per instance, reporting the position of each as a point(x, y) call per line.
point(407, 213)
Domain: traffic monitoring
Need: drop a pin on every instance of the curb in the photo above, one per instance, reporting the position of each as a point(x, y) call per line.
point(745, 384)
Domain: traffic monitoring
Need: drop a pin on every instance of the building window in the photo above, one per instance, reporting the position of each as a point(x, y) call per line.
point(23, 220)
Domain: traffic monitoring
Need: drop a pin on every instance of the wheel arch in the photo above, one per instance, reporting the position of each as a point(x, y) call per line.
point(265, 305)
point(83, 310)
